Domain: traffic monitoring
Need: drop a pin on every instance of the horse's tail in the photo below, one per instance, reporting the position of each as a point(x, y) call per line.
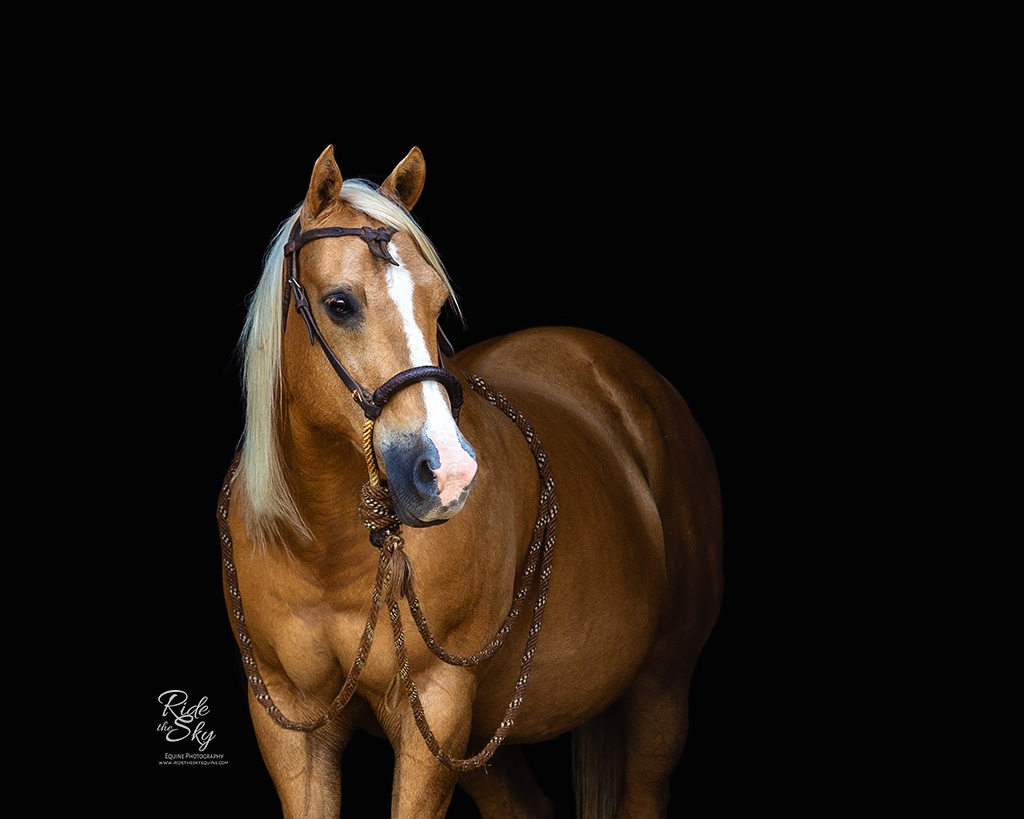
point(598, 765)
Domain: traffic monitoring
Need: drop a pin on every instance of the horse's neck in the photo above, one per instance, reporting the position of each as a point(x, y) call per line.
point(326, 475)
point(471, 563)
point(503, 501)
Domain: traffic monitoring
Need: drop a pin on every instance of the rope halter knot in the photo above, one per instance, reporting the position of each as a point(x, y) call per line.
point(377, 512)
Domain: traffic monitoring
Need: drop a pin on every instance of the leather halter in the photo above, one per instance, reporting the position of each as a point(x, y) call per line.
point(371, 403)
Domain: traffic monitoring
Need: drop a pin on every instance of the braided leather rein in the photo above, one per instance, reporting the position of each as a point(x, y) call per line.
point(394, 580)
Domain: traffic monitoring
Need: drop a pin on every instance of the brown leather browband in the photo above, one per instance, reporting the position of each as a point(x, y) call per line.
point(376, 239)
point(372, 403)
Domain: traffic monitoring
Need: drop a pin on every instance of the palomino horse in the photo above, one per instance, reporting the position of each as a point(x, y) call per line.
point(330, 515)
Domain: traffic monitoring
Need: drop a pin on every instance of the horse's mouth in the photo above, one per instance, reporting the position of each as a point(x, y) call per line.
point(420, 513)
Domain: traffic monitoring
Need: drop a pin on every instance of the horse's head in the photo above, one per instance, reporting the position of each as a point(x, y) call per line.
point(368, 306)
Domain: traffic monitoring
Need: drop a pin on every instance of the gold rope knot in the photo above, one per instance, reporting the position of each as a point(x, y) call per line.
point(378, 515)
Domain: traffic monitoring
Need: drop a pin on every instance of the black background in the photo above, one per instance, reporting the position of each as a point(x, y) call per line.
point(639, 227)
point(759, 205)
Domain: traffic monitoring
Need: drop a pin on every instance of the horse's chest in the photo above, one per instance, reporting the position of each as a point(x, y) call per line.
point(312, 643)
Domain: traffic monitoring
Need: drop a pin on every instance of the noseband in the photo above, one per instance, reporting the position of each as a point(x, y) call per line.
point(371, 403)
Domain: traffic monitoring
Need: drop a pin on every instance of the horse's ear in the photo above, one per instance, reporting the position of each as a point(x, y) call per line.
point(406, 181)
point(324, 185)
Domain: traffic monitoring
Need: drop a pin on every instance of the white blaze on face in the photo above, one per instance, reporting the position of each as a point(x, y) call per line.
point(457, 467)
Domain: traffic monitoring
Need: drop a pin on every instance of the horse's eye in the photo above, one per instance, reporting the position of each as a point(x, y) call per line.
point(338, 307)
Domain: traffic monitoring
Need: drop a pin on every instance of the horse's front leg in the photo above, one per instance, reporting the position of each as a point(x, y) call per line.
point(305, 767)
point(423, 786)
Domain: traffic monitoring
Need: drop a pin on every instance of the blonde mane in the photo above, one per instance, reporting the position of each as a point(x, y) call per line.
point(271, 508)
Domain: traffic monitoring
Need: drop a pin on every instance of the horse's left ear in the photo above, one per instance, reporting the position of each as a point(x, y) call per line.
point(406, 181)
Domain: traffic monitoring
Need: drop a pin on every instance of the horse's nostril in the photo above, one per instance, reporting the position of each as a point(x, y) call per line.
point(424, 476)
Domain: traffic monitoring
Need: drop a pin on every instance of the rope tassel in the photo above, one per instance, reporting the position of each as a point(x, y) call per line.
point(401, 570)
point(378, 515)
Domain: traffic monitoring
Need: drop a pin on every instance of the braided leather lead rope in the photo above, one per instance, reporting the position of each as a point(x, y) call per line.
point(378, 516)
